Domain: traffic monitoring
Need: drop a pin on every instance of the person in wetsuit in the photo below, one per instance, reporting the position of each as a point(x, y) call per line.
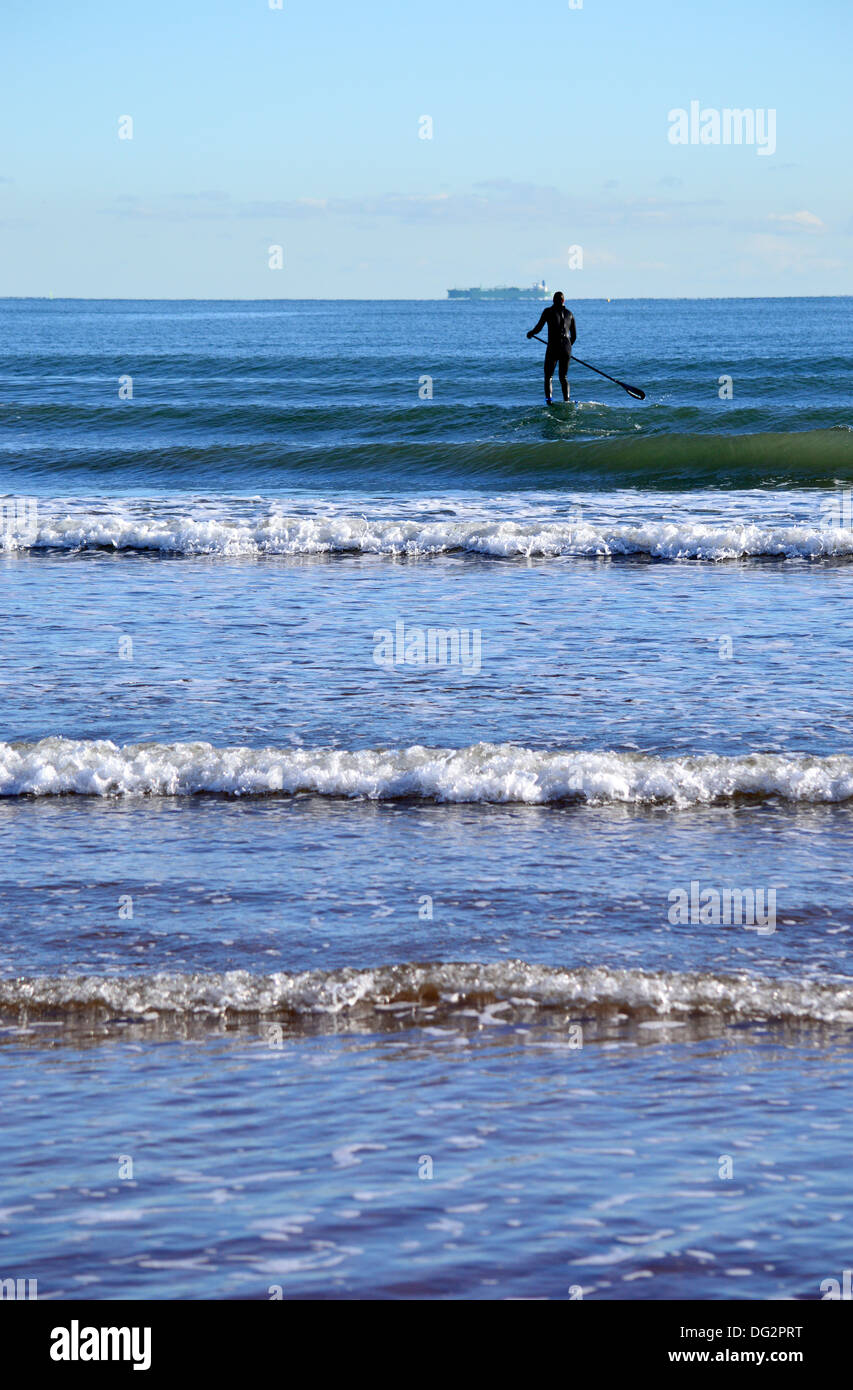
point(561, 335)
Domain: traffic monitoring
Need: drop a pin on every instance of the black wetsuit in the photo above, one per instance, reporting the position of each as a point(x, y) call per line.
point(561, 335)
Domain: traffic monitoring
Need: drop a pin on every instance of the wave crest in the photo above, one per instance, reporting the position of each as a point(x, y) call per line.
point(277, 535)
point(595, 447)
point(484, 772)
point(490, 993)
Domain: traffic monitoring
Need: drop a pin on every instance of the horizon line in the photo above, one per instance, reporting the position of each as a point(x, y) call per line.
point(380, 299)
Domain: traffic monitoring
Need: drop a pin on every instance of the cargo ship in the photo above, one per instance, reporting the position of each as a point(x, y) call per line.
point(539, 291)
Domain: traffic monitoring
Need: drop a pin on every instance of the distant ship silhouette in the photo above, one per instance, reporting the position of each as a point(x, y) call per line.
point(539, 291)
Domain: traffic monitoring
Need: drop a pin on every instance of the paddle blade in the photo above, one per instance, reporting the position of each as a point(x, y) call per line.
point(633, 391)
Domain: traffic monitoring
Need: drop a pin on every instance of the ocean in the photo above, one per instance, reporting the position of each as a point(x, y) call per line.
point(427, 815)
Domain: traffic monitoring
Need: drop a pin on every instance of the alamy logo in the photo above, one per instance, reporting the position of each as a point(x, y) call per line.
point(832, 1289)
point(76, 1343)
point(19, 518)
point(710, 907)
point(19, 1288)
point(730, 126)
point(837, 510)
point(431, 646)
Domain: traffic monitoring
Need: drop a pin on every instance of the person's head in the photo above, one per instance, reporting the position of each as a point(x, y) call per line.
point(559, 299)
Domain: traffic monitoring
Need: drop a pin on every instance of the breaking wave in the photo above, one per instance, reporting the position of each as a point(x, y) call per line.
point(493, 993)
point(484, 772)
point(274, 534)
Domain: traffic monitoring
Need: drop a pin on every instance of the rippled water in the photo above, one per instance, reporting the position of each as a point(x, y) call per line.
point(330, 969)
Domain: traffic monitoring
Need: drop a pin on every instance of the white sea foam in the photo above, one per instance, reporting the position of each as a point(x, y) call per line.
point(446, 990)
point(274, 533)
point(485, 772)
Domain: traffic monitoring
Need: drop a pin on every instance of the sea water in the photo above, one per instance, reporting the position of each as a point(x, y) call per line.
point(336, 965)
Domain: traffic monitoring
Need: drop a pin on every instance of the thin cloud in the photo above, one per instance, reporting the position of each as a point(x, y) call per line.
point(502, 199)
point(798, 221)
point(781, 255)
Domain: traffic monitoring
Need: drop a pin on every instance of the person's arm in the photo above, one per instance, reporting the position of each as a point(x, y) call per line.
point(572, 330)
point(539, 324)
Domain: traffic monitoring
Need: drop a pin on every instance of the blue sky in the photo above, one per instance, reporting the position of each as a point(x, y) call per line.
point(299, 127)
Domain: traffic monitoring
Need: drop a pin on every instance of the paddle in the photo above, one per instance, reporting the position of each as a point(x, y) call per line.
point(632, 390)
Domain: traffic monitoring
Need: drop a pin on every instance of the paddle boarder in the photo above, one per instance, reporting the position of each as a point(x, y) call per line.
point(561, 336)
